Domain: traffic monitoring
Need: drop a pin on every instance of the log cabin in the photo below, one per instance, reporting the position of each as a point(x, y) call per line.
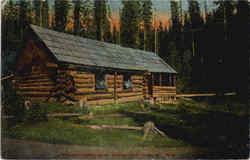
point(55, 66)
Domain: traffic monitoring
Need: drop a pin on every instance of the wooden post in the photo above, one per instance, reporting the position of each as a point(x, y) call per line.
point(170, 80)
point(174, 80)
point(160, 79)
point(115, 94)
point(152, 79)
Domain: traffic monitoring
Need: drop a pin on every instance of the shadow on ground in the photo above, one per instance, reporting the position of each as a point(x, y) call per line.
point(225, 134)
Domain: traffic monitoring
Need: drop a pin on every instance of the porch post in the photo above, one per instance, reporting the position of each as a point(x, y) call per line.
point(170, 79)
point(153, 79)
point(160, 79)
point(174, 80)
point(115, 94)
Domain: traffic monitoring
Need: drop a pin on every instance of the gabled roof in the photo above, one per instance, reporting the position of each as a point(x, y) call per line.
point(74, 49)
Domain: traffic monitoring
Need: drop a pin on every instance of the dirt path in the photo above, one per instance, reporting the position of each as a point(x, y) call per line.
point(29, 149)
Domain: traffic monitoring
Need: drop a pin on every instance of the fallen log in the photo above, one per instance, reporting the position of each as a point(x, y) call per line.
point(114, 127)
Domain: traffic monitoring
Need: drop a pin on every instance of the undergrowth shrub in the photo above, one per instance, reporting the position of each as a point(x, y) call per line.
point(12, 104)
point(36, 113)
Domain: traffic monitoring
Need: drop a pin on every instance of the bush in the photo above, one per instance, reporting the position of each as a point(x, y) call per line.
point(12, 103)
point(36, 113)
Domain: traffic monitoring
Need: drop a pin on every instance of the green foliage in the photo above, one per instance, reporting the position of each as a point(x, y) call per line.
point(36, 113)
point(45, 14)
point(102, 17)
point(60, 108)
point(62, 8)
point(63, 132)
point(175, 15)
point(83, 12)
point(130, 21)
point(12, 103)
point(147, 22)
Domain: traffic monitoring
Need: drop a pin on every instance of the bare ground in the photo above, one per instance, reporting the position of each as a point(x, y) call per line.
point(30, 149)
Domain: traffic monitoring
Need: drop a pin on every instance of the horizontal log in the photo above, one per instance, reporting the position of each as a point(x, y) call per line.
point(36, 81)
point(162, 91)
point(137, 81)
point(112, 86)
point(48, 64)
point(129, 94)
point(160, 95)
point(137, 89)
point(112, 89)
point(85, 90)
point(99, 95)
point(129, 99)
point(114, 127)
point(88, 75)
point(89, 85)
point(37, 99)
point(112, 81)
point(105, 101)
point(77, 80)
point(137, 86)
point(30, 93)
point(35, 77)
point(136, 77)
point(164, 87)
point(36, 87)
point(35, 84)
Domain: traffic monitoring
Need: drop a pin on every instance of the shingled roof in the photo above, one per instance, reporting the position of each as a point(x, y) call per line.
point(74, 49)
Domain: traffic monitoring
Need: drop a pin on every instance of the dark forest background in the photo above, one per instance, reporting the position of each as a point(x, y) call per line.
point(207, 48)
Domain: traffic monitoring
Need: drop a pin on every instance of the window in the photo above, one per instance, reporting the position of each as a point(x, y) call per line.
point(127, 83)
point(100, 81)
point(156, 79)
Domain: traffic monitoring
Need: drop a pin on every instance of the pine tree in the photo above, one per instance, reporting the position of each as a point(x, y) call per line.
point(115, 35)
point(45, 14)
point(37, 7)
point(130, 21)
point(175, 15)
point(9, 24)
point(195, 15)
point(29, 12)
point(83, 13)
point(77, 9)
point(147, 22)
point(107, 26)
point(61, 14)
point(22, 17)
point(100, 18)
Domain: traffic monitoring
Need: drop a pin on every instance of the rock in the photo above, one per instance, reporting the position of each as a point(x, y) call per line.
point(90, 115)
point(150, 128)
point(27, 104)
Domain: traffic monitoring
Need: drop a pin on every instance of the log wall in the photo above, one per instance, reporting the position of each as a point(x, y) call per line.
point(84, 82)
point(164, 94)
point(38, 87)
point(34, 86)
point(110, 82)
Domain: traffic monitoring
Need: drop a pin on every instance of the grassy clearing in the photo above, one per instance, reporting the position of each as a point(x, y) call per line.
point(60, 108)
point(116, 108)
point(63, 132)
point(109, 121)
point(197, 122)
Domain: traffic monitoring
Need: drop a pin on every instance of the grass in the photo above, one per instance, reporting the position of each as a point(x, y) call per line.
point(115, 108)
point(197, 122)
point(63, 132)
point(109, 121)
point(60, 108)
